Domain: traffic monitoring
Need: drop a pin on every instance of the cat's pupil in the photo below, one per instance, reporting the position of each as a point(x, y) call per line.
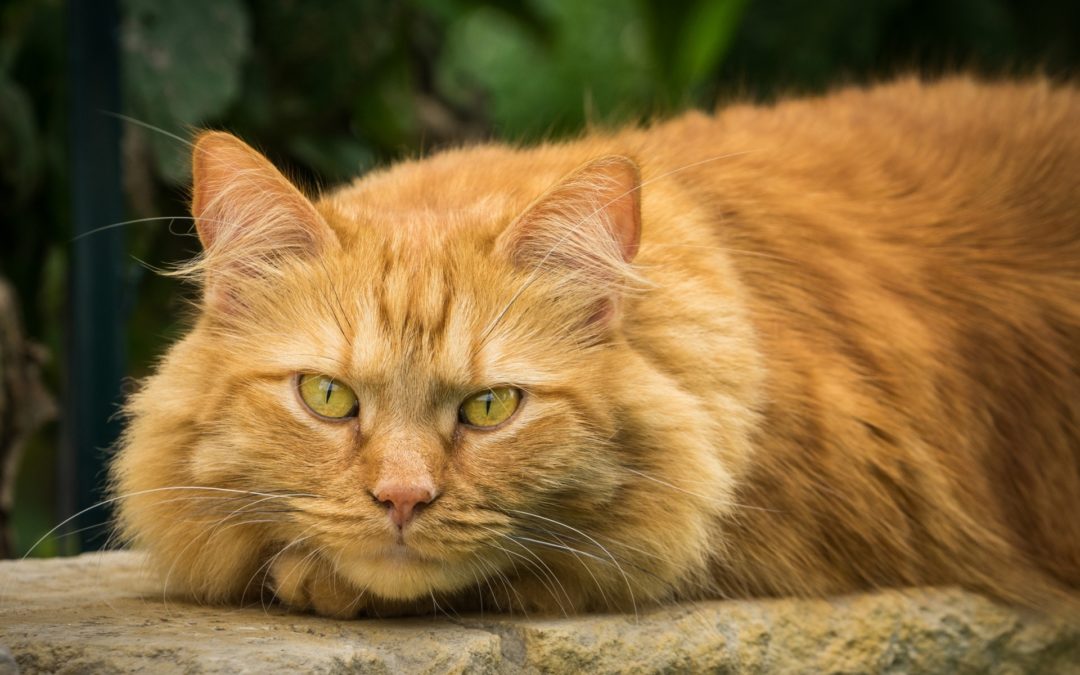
point(329, 391)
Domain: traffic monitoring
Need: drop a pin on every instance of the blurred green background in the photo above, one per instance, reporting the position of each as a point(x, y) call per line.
point(331, 89)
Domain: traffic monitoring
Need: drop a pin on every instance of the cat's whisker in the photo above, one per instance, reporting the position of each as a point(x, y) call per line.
point(310, 560)
point(224, 503)
point(537, 572)
point(148, 126)
point(137, 493)
point(540, 567)
point(473, 566)
point(207, 534)
point(577, 553)
point(246, 508)
point(511, 594)
point(354, 605)
point(358, 597)
point(302, 568)
point(134, 221)
point(151, 219)
point(691, 165)
point(566, 548)
point(436, 607)
point(711, 500)
point(541, 531)
point(508, 586)
point(626, 578)
point(479, 589)
point(727, 249)
point(560, 546)
point(212, 518)
point(486, 571)
point(267, 565)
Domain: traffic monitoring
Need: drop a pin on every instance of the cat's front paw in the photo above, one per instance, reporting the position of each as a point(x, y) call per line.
point(306, 582)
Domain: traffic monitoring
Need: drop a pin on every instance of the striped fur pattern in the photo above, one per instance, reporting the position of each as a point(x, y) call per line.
point(819, 347)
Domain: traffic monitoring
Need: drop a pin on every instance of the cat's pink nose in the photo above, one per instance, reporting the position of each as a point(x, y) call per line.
point(403, 501)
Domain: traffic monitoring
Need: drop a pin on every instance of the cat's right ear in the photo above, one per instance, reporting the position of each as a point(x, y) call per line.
point(248, 215)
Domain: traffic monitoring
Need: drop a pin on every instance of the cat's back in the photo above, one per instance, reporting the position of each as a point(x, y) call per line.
point(928, 150)
point(947, 196)
point(905, 151)
point(912, 254)
point(944, 205)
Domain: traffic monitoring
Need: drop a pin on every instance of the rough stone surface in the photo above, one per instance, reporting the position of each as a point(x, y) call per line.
point(99, 613)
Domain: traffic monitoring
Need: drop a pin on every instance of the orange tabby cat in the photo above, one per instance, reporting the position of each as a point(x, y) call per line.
point(820, 347)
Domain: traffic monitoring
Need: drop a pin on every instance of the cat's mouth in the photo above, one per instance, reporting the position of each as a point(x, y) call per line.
point(398, 553)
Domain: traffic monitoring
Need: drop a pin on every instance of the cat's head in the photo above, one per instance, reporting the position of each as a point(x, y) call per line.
point(423, 397)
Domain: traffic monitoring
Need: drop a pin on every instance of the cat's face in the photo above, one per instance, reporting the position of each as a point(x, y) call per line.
point(420, 397)
point(412, 332)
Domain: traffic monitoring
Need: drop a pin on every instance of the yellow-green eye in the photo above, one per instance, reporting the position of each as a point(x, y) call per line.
point(490, 407)
point(327, 397)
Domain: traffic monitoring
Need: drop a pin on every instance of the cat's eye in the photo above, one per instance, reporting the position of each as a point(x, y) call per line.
point(326, 397)
point(490, 407)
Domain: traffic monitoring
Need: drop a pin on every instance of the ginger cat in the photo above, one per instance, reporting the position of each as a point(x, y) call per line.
point(824, 346)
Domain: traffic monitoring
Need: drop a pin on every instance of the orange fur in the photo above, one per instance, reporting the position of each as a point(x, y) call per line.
point(843, 355)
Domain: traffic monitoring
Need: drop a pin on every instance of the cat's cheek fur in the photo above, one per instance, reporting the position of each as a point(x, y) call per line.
point(163, 509)
point(672, 499)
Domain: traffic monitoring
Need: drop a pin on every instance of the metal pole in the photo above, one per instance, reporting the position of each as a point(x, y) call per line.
point(95, 355)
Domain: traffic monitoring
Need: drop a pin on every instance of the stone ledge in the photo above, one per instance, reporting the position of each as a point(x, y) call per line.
point(99, 613)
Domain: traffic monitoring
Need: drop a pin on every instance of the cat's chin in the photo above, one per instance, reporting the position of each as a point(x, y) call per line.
point(399, 572)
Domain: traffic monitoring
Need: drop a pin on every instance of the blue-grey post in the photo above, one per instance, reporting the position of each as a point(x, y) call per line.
point(95, 345)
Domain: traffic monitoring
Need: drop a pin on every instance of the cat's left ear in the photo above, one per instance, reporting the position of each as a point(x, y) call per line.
point(248, 215)
point(592, 214)
point(586, 229)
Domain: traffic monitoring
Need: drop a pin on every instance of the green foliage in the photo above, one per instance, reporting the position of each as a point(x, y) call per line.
point(384, 77)
point(707, 32)
point(33, 158)
point(578, 62)
point(690, 38)
point(182, 63)
point(22, 162)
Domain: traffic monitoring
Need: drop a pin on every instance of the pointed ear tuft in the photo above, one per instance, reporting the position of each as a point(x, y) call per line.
point(583, 234)
point(592, 219)
point(248, 215)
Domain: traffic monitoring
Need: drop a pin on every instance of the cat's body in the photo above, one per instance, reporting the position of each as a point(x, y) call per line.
point(846, 355)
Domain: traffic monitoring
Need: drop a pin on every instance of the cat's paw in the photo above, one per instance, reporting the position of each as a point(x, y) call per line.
point(304, 581)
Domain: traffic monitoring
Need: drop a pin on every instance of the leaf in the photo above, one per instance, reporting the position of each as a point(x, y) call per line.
point(182, 63)
point(706, 35)
point(592, 67)
point(18, 140)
